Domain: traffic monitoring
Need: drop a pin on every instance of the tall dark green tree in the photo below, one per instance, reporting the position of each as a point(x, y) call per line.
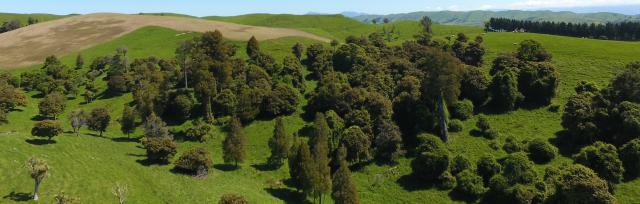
point(233, 145)
point(279, 144)
point(321, 182)
point(99, 119)
point(344, 191)
point(128, 120)
point(253, 48)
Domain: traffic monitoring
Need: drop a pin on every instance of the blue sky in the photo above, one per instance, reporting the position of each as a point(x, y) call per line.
point(236, 7)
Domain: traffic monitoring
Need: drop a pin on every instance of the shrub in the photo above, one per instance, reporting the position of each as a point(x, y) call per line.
point(492, 134)
point(511, 145)
point(522, 194)
point(603, 159)
point(159, 149)
point(459, 164)
point(357, 143)
point(518, 168)
point(630, 156)
point(579, 184)
point(196, 160)
point(462, 110)
point(498, 189)
point(541, 151)
point(46, 128)
point(430, 165)
point(199, 131)
point(554, 108)
point(487, 167)
point(483, 123)
point(469, 184)
point(447, 181)
point(456, 125)
point(232, 198)
point(428, 143)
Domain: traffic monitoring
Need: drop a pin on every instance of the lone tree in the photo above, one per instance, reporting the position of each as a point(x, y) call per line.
point(52, 105)
point(120, 192)
point(197, 161)
point(233, 144)
point(38, 169)
point(77, 118)
point(128, 120)
point(298, 50)
point(344, 191)
point(253, 48)
point(46, 128)
point(154, 127)
point(99, 120)
point(279, 144)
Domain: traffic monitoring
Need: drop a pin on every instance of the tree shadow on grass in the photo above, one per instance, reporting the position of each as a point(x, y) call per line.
point(287, 195)
point(39, 118)
point(264, 167)
point(457, 196)
point(149, 162)
point(411, 182)
point(18, 197)
point(125, 139)
point(566, 147)
point(226, 167)
point(476, 133)
point(40, 141)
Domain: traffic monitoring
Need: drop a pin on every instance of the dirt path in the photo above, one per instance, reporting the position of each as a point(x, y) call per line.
point(31, 44)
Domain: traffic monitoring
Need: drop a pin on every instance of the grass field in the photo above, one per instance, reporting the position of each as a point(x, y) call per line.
point(24, 17)
point(88, 166)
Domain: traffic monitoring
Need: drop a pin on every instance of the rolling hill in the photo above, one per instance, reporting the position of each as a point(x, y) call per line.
point(477, 18)
point(88, 166)
point(30, 44)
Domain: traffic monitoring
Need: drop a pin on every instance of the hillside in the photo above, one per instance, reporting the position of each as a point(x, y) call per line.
point(87, 166)
point(23, 18)
point(477, 18)
point(30, 44)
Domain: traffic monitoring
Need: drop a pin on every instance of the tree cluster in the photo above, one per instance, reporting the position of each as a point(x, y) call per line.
point(627, 30)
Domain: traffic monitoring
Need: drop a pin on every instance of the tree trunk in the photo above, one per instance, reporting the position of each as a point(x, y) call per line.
point(208, 110)
point(35, 191)
point(444, 132)
point(101, 133)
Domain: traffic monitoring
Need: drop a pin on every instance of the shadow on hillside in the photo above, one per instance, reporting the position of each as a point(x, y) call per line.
point(149, 162)
point(410, 182)
point(264, 167)
point(18, 197)
point(125, 139)
point(457, 196)
point(287, 195)
point(38, 118)
point(40, 141)
point(108, 94)
point(305, 131)
point(226, 167)
point(136, 155)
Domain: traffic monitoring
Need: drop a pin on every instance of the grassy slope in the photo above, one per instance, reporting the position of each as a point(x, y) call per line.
point(24, 17)
point(109, 161)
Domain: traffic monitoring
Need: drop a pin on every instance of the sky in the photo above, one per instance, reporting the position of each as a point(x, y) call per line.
point(237, 7)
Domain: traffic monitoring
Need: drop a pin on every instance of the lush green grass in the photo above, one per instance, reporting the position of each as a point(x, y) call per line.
point(88, 166)
point(24, 17)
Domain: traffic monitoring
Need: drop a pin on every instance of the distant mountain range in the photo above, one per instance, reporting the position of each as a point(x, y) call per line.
point(477, 18)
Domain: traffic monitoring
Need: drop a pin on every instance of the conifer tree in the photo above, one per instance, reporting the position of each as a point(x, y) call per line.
point(79, 61)
point(233, 145)
point(279, 144)
point(253, 48)
point(344, 191)
point(321, 182)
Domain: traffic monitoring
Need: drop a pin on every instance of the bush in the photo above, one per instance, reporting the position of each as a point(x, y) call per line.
point(579, 184)
point(518, 169)
point(459, 164)
point(541, 151)
point(522, 194)
point(430, 165)
point(630, 156)
point(511, 145)
point(232, 198)
point(196, 161)
point(603, 159)
point(447, 181)
point(46, 128)
point(554, 108)
point(487, 167)
point(492, 134)
point(462, 110)
point(428, 143)
point(456, 125)
point(159, 149)
point(483, 123)
point(469, 184)
point(498, 189)
point(199, 131)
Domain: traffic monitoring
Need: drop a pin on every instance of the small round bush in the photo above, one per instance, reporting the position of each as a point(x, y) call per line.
point(428, 143)
point(159, 149)
point(196, 161)
point(469, 184)
point(522, 194)
point(459, 164)
point(232, 198)
point(630, 156)
point(462, 110)
point(430, 165)
point(511, 145)
point(491, 134)
point(456, 125)
point(554, 108)
point(483, 123)
point(517, 168)
point(487, 167)
point(447, 181)
point(541, 151)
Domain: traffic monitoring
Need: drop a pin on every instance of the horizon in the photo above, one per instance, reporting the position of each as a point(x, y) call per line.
point(202, 8)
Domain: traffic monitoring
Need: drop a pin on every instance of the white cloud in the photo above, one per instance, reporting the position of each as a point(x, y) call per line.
point(535, 4)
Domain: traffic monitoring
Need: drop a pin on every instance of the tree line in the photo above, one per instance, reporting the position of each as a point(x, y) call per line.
point(15, 24)
point(627, 31)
